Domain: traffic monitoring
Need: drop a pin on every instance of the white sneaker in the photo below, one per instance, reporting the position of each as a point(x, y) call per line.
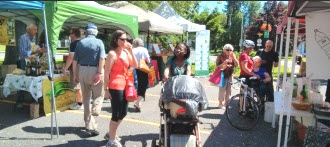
point(114, 144)
point(77, 107)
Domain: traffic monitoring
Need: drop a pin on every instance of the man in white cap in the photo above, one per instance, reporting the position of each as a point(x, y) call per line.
point(90, 55)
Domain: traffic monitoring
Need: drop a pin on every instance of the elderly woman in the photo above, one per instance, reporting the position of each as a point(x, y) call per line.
point(140, 53)
point(264, 77)
point(179, 64)
point(226, 61)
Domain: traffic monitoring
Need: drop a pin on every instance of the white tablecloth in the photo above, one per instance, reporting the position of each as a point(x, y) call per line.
point(26, 83)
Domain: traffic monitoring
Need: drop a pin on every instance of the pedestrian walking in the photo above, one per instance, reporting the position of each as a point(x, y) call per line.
point(269, 58)
point(226, 61)
point(90, 55)
point(141, 53)
point(75, 38)
point(119, 59)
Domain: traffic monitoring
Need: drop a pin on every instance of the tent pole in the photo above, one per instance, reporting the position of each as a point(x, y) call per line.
point(50, 77)
point(187, 38)
point(279, 63)
point(284, 80)
point(276, 43)
point(148, 40)
point(291, 79)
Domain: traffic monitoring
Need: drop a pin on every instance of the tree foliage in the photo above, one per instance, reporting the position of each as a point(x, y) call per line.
point(276, 13)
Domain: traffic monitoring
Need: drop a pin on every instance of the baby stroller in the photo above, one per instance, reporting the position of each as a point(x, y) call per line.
point(182, 97)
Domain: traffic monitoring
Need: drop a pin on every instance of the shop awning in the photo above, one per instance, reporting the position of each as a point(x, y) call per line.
point(148, 21)
point(24, 5)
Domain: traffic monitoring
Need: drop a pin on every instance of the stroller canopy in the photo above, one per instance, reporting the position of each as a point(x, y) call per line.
point(185, 87)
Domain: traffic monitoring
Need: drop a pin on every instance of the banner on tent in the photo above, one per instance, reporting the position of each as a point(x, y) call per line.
point(64, 94)
point(7, 31)
point(318, 45)
point(202, 47)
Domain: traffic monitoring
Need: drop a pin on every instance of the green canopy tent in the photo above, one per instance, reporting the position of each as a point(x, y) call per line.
point(79, 13)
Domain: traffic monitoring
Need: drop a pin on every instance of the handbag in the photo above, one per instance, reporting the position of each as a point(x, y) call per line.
point(222, 82)
point(215, 77)
point(143, 66)
point(152, 77)
point(130, 91)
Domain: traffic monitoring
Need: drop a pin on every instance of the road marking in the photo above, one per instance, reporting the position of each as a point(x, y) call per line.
point(130, 120)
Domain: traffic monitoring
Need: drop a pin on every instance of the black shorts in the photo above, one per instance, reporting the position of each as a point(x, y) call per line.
point(119, 104)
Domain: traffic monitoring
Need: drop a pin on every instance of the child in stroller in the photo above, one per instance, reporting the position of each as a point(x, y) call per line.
point(182, 97)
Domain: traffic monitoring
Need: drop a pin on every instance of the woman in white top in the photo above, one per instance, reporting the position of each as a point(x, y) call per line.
point(140, 53)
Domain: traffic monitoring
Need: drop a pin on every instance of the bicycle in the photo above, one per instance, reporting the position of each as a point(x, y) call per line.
point(243, 109)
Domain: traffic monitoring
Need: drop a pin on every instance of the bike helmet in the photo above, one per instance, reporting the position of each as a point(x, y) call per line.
point(248, 44)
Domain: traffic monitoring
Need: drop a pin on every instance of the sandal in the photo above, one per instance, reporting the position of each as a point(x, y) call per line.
point(138, 109)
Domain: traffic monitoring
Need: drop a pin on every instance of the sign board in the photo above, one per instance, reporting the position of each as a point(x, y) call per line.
point(156, 48)
point(259, 41)
point(259, 34)
point(318, 45)
point(7, 31)
point(259, 44)
point(64, 94)
point(266, 34)
point(202, 48)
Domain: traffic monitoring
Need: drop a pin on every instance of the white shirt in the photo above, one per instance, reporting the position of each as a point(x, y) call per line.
point(141, 53)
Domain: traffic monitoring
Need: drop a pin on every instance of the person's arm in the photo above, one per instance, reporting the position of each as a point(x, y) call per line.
point(166, 72)
point(68, 62)
point(99, 72)
point(246, 70)
point(132, 56)
point(147, 56)
point(234, 59)
point(188, 68)
point(267, 77)
point(111, 59)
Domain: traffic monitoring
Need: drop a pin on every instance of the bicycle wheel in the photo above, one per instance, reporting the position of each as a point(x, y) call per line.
point(242, 120)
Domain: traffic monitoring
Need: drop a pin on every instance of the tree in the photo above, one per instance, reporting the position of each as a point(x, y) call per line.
point(277, 12)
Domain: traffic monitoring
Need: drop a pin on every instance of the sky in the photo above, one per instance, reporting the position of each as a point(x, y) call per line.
point(212, 4)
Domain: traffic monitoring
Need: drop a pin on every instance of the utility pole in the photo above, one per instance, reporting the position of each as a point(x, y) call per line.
point(241, 40)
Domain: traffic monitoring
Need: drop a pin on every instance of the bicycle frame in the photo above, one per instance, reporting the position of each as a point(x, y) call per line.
point(247, 91)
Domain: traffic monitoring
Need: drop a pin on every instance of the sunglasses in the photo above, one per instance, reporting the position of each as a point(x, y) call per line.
point(229, 50)
point(123, 39)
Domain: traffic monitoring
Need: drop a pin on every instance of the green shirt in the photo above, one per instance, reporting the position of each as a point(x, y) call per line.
point(175, 70)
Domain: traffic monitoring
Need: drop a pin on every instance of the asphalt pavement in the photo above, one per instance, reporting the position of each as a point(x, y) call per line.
point(136, 130)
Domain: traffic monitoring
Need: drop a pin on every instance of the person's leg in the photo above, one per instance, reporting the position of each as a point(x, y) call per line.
point(20, 93)
point(142, 86)
point(228, 90)
point(97, 98)
point(116, 102)
point(86, 93)
point(221, 95)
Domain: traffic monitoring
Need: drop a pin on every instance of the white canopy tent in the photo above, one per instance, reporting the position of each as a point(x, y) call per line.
point(166, 11)
point(297, 10)
point(148, 21)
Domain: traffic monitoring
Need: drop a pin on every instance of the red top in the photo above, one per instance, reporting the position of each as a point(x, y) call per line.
point(117, 73)
point(245, 57)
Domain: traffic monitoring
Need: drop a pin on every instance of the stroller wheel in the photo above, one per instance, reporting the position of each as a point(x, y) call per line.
point(153, 143)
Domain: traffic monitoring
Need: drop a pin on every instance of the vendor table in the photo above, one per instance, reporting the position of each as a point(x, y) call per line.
point(27, 83)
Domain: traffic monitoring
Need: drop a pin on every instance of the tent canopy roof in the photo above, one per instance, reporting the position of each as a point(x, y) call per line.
point(148, 20)
point(303, 7)
point(24, 5)
point(166, 11)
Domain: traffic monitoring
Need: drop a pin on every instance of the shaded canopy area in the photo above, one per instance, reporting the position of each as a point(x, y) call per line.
point(148, 21)
point(79, 13)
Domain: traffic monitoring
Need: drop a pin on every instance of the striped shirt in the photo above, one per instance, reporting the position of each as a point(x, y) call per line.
point(24, 45)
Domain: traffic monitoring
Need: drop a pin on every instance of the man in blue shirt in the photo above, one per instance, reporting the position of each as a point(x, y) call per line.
point(25, 44)
point(90, 55)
